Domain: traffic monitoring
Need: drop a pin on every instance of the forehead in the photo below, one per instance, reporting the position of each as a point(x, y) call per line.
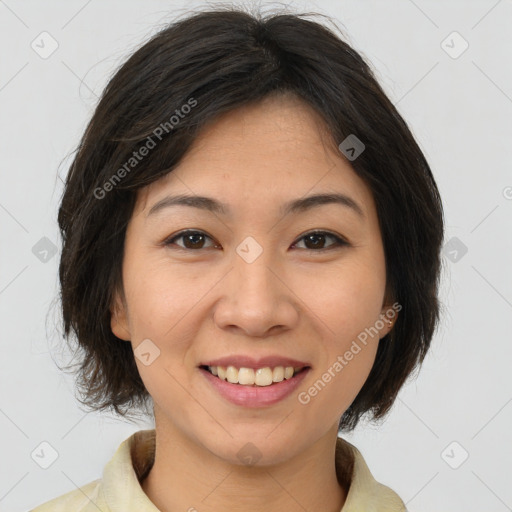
point(269, 152)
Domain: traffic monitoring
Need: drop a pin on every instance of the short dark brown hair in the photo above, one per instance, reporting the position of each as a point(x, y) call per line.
point(218, 60)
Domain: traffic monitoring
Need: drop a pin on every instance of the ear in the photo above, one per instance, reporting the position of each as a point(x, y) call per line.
point(119, 317)
point(388, 314)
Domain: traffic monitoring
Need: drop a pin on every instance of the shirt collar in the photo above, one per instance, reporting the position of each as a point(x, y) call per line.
point(123, 474)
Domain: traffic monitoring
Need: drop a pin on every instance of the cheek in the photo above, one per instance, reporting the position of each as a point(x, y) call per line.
point(349, 307)
point(160, 297)
point(355, 363)
point(164, 304)
point(338, 382)
point(348, 299)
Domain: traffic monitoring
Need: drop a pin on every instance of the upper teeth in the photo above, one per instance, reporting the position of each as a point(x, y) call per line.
point(249, 376)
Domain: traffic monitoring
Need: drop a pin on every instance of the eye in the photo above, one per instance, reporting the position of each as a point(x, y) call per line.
point(315, 240)
point(192, 239)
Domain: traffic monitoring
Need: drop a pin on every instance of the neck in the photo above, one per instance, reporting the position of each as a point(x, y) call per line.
point(186, 476)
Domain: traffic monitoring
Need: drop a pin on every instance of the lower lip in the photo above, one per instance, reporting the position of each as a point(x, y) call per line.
point(255, 396)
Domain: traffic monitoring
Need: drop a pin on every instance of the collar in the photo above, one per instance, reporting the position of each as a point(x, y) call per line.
point(123, 474)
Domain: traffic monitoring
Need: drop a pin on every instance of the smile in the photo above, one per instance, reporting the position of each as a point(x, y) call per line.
point(254, 395)
point(254, 377)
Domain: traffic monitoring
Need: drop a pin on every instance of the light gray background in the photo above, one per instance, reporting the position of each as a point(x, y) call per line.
point(460, 110)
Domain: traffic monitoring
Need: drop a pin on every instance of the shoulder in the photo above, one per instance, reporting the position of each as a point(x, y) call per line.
point(364, 492)
point(119, 486)
point(84, 499)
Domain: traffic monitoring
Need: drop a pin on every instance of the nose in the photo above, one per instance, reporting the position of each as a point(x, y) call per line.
point(256, 300)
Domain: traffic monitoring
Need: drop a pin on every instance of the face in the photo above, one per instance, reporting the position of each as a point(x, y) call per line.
point(254, 285)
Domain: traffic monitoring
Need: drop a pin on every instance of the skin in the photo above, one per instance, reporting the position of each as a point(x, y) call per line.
point(306, 303)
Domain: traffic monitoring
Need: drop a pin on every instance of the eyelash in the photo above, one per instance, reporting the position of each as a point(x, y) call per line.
point(339, 242)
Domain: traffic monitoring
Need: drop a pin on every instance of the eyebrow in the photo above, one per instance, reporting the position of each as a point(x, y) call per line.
point(295, 206)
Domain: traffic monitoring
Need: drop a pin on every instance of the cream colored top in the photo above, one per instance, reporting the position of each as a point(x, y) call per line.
point(119, 490)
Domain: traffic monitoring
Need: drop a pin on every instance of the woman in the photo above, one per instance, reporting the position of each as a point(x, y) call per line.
point(252, 254)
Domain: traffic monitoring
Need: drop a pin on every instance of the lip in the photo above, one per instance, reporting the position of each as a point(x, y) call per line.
point(242, 361)
point(255, 396)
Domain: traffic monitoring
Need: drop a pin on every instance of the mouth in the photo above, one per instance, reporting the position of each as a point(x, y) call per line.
point(254, 377)
point(254, 383)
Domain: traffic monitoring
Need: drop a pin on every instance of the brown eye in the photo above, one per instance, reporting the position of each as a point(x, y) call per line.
point(191, 240)
point(195, 240)
point(316, 240)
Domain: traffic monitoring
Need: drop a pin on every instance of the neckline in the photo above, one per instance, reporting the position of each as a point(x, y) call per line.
point(143, 449)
